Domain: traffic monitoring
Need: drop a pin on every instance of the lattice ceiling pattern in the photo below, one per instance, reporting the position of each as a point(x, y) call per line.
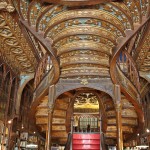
point(14, 48)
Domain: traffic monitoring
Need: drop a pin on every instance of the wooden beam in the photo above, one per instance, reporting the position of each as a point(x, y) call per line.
point(51, 100)
point(118, 106)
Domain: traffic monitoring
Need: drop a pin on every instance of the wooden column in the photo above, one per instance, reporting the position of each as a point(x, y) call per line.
point(51, 99)
point(118, 107)
point(72, 122)
point(101, 133)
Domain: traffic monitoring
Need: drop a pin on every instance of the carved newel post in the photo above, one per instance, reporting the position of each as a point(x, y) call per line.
point(50, 111)
point(118, 106)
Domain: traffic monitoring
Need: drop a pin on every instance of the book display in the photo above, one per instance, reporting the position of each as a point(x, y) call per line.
point(1, 133)
point(3, 140)
point(41, 144)
point(29, 141)
point(23, 140)
point(32, 142)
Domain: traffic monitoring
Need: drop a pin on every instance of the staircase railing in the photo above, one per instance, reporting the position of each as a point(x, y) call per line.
point(43, 68)
point(103, 142)
point(127, 74)
point(122, 66)
point(123, 72)
point(68, 144)
point(128, 68)
point(126, 84)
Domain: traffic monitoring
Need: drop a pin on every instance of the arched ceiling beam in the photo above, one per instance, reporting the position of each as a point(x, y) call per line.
point(84, 45)
point(81, 30)
point(88, 13)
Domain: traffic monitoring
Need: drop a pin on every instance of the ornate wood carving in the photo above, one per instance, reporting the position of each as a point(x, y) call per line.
point(4, 6)
point(16, 50)
point(104, 85)
point(77, 3)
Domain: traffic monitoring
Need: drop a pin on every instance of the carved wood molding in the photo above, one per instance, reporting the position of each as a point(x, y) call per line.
point(65, 85)
point(78, 2)
point(4, 6)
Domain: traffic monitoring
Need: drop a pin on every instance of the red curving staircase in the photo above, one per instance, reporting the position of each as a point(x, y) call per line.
point(86, 141)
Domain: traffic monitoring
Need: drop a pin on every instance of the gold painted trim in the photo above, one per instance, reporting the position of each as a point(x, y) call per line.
point(84, 45)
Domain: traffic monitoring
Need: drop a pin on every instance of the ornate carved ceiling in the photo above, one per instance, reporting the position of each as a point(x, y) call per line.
point(81, 36)
point(114, 18)
point(144, 56)
point(86, 101)
point(77, 2)
point(14, 48)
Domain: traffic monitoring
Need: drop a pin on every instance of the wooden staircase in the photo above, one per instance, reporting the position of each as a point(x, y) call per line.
point(129, 119)
point(59, 131)
point(61, 125)
point(86, 43)
point(86, 141)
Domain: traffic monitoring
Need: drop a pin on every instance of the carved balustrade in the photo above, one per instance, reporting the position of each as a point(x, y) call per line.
point(42, 70)
point(128, 68)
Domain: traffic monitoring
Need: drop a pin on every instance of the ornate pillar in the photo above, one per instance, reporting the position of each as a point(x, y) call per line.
point(51, 98)
point(118, 107)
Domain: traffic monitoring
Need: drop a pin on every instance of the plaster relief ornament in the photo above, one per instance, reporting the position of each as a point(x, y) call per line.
point(6, 7)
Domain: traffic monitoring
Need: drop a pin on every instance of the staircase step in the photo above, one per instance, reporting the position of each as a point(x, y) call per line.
point(59, 113)
point(59, 134)
point(58, 127)
point(87, 142)
point(86, 136)
point(86, 147)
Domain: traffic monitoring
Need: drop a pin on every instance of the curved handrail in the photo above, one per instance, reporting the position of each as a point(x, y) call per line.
point(122, 43)
point(113, 71)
